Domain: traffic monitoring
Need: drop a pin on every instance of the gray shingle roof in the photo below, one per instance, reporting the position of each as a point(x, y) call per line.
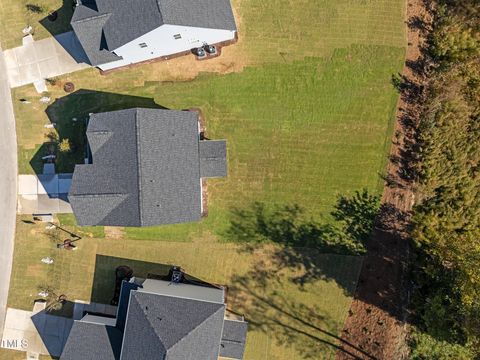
point(183, 329)
point(209, 14)
point(158, 326)
point(145, 171)
point(89, 341)
point(213, 158)
point(109, 24)
point(234, 337)
point(89, 32)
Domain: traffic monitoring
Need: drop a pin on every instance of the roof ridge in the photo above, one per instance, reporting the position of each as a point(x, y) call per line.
point(132, 294)
point(100, 195)
point(159, 10)
point(92, 17)
point(196, 327)
point(103, 132)
point(139, 172)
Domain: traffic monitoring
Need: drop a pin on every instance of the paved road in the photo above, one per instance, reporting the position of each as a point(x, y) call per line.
point(8, 186)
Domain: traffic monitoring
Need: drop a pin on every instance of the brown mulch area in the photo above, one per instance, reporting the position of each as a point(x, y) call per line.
point(203, 129)
point(204, 198)
point(113, 232)
point(376, 326)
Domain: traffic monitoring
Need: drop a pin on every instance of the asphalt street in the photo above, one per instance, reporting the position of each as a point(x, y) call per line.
point(8, 187)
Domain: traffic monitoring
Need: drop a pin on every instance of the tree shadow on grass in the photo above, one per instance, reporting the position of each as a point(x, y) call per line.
point(288, 319)
point(291, 226)
point(302, 237)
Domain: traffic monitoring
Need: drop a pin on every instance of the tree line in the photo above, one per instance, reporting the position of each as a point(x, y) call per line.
point(446, 218)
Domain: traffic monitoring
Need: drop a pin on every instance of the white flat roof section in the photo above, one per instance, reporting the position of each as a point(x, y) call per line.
point(101, 320)
point(181, 290)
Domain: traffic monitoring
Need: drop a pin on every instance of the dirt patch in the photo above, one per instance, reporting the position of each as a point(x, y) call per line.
point(376, 324)
point(233, 58)
point(114, 232)
point(33, 270)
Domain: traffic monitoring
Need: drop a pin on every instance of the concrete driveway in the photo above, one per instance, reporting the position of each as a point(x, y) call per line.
point(38, 60)
point(44, 194)
point(36, 331)
point(8, 187)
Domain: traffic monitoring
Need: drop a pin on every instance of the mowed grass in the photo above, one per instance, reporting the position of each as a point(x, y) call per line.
point(300, 133)
point(15, 16)
point(8, 354)
point(270, 31)
point(88, 273)
point(306, 105)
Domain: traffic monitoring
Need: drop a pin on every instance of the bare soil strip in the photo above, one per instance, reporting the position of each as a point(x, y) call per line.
point(376, 326)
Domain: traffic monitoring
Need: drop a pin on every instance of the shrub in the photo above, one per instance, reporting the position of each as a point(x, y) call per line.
point(65, 146)
point(36, 9)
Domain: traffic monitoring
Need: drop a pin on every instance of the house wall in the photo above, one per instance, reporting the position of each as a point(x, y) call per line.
point(162, 42)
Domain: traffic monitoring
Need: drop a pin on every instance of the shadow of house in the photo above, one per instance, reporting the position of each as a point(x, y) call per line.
point(104, 279)
point(53, 330)
point(54, 327)
point(72, 46)
point(57, 23)
point(69, 115)
point(152, 310)
point(58, 20)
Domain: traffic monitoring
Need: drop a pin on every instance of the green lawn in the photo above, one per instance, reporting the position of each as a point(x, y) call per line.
point(303, 133)
point(15, 16)
point(259, 287)
point(306, 105)
point(8, 354)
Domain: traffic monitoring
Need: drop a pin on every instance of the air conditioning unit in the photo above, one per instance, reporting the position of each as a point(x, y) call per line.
point(210, 49)
point(200, 52)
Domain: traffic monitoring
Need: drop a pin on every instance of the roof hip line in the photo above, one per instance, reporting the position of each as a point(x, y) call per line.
point(139, 171)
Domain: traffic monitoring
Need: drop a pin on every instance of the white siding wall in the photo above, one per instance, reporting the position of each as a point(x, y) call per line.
point(162, 42)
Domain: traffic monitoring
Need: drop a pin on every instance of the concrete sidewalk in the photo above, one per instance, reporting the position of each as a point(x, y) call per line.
point(8, 187)
point(38, 60)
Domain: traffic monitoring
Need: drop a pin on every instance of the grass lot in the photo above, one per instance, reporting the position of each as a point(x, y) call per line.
point(306, 105)
point(302, 133)
point(17, 355)
point(16, 16)
point(256, 284)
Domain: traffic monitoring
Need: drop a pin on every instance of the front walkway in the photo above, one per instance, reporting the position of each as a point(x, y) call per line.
point(39, 60)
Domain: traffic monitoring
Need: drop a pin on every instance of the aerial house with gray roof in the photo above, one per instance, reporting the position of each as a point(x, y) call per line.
point(148, 167)
point(116, 33)
point(171, 318)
